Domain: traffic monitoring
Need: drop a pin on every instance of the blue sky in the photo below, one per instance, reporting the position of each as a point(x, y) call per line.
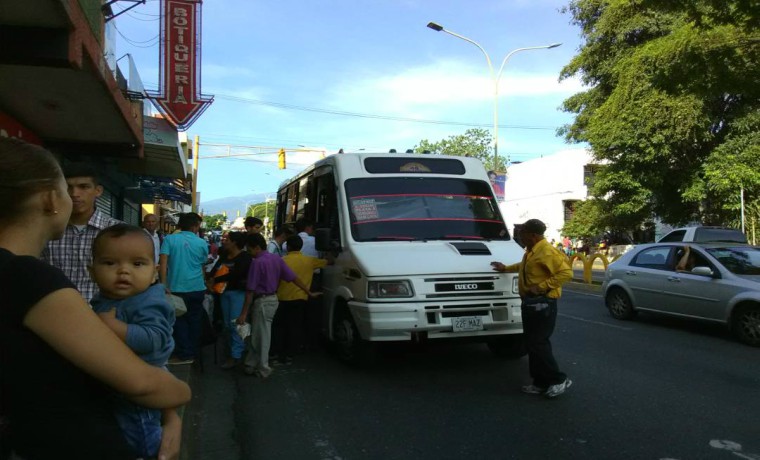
point(369, 57)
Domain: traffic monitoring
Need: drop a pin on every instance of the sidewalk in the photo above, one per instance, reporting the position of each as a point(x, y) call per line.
point(184, 373)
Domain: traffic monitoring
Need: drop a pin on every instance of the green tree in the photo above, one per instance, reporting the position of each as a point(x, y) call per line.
point(475, 142)
point(262, 210)
point(586, 222)
point(214, 222)
point(673, 91)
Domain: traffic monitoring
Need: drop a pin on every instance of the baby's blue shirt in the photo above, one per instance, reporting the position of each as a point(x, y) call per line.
point(149, 318)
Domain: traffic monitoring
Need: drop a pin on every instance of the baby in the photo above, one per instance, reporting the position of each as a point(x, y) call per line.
point(136, 309)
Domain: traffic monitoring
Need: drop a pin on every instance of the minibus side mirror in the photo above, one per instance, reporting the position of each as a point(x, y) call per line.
point(325, 242)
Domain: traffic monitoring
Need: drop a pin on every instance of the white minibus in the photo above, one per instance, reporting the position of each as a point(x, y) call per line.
point(413, 237)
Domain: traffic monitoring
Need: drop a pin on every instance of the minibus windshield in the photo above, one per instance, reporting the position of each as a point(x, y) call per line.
point(423, 208)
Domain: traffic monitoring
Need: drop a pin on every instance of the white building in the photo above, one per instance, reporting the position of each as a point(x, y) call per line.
point(547, 188)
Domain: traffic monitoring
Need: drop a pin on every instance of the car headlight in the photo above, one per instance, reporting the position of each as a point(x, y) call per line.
point(389, 289)
point(515, 285)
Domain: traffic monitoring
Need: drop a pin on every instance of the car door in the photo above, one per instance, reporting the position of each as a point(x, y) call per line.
point(695, 295)
point(646, 276)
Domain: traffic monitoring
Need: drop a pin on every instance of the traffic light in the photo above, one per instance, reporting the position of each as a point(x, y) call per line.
point(281, 159)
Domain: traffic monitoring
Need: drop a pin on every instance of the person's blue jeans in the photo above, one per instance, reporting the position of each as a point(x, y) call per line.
point(141, 427)
point(187, 328)
point(232, 306)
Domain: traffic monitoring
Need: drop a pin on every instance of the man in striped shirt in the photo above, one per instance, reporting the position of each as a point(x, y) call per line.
point(73, 252)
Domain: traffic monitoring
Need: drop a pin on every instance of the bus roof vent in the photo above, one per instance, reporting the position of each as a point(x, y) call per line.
point(472, 249)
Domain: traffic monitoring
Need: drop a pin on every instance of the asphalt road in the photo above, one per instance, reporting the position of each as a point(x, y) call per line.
point(654, 388)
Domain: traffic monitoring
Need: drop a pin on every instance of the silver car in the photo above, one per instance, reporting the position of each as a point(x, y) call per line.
point(720, 282)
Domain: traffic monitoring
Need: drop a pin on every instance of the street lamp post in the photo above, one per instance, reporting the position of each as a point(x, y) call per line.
point(495, 77)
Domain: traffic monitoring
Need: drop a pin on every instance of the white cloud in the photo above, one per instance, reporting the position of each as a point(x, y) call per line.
point(415, 91)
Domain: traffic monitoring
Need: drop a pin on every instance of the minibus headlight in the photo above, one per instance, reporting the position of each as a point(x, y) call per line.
point(515, 286)
point(389, 289)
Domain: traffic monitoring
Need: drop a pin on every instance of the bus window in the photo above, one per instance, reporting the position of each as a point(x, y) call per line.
point(414, 208)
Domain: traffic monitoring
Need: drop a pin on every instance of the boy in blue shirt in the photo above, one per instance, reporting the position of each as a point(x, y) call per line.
point(136, 309)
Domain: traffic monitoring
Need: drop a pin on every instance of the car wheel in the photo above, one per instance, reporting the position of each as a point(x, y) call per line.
point(745, 324)
point(508, 347)
point(349, 345)
point(619, 304)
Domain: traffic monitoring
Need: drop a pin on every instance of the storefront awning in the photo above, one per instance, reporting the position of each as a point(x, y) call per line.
point(164, 156)
point(56, 81)
point(149, 189)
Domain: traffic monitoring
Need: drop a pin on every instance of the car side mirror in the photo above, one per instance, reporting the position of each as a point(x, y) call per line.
point(324, 241)
point(703, 271)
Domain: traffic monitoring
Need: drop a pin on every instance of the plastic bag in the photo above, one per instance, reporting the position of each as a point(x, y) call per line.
point(243, 330)
point(178, 303)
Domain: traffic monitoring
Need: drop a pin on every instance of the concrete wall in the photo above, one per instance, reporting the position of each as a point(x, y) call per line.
point(536, 189)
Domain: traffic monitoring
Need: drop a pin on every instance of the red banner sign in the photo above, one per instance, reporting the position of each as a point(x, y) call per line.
point(9, 127)
point(180, 98)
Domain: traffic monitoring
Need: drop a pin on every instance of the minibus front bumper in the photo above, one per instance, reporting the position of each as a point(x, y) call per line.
point(399, 321)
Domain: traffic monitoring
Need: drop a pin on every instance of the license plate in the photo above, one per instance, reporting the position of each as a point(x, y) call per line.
point(467, 323)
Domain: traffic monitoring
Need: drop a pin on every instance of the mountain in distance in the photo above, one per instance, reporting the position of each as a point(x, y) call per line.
point(232, 204)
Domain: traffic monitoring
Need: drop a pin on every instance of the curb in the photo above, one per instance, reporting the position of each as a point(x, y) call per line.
point(580, 286)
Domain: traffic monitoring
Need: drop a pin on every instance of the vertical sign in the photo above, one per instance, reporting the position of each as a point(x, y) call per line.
point(179, 99)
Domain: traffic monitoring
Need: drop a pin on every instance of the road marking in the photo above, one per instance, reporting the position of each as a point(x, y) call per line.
point(582, 293)
point(733, 447)
point(595, 322)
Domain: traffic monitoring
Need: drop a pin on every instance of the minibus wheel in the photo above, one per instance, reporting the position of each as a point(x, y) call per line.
point(508, 346)
point(349, 345)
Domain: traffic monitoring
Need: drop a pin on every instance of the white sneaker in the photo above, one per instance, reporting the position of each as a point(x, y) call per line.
point(533, 390)
point(556, 390)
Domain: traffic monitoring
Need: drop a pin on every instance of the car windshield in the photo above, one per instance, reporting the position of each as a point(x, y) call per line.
point(726, 235)
point(416, 208)
point(738, 260)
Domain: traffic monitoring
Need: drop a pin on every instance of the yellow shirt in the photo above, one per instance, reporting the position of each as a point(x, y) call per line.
point(303, 266)
point(546, 267)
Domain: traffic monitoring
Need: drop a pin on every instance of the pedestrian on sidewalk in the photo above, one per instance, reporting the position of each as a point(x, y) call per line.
point(181, 271)
point(238, 263)
point(150, 224)
point(264, 276)
point(58, 359)
point(541, 274)
point(73, 252)
point(137, 311)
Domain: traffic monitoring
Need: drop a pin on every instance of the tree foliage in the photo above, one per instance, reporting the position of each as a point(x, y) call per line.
point(475, 142)
point(214, 222)
point(671, 106)
point(262, 210)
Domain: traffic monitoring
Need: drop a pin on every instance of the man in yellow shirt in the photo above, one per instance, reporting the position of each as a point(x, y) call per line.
point(541, 274)
point(288, 331)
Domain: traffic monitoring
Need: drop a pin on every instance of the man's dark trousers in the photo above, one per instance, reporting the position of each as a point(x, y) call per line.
point(187, 328)
point(538, 326)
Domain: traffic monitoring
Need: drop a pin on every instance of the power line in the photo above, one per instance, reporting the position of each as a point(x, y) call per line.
point(372, 116)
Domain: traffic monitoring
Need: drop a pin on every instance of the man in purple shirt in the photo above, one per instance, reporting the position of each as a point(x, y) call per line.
point(264, 276)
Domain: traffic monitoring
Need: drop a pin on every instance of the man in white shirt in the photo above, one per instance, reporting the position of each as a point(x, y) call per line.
point(305, 229)
point(150, 224)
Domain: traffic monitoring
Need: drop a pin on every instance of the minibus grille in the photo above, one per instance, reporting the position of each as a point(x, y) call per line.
point(456, 311)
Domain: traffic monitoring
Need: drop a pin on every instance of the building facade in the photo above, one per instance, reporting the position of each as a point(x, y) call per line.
point(547, 188)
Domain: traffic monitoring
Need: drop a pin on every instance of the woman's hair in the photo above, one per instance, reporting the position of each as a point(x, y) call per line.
point(238, 238)
point(24, 170)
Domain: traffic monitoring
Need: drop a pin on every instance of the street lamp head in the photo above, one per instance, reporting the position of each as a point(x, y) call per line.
point(434, 26)
point(554, 45)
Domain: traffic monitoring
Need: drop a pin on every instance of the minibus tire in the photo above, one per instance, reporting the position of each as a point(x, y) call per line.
point(508, 346)
point(348, 344)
